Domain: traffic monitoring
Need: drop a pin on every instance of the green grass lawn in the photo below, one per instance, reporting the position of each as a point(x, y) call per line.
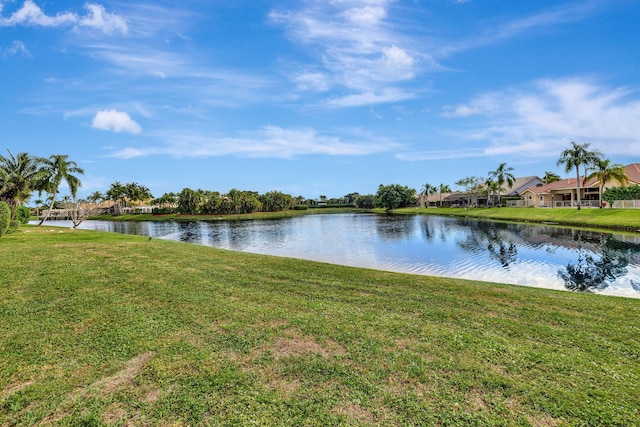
point(108, 329)
point(624, 219)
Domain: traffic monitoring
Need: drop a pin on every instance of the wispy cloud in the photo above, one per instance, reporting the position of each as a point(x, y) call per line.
point(357, 49)
point(540, 119)
point(16, 48)
point(96, 17)
point(116, 121)
point(563, 14)
point(268, 142)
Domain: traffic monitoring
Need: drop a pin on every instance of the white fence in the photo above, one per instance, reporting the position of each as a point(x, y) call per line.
point(627, 204)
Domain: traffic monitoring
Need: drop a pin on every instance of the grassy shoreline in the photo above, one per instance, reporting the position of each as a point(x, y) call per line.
point(109, 329)
point(611, 219)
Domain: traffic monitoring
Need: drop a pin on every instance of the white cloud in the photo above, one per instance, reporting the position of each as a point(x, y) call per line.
point(17, 47)
point(116, 121)
point(100, 19)
point(30, 14)
point(539, 120)
point(357, 47)
point(559, 15)
point(371, 98)
point(268, 142)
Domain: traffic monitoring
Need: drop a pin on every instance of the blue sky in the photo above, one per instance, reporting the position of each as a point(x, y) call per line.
point(317, 97)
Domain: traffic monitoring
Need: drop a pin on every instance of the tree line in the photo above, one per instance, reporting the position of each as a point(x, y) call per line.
point(22, 174)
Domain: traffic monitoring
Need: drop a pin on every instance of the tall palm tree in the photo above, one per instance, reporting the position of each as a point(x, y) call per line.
point(58, 168)
point(605, 171)
point(501, 175)
point(428, 189)
point(443, 188)
point(18, 177)
point(576, 156)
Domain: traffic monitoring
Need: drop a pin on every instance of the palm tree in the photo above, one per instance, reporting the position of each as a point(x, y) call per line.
point(493, 188)
point(501, 175)
point(428, 189)
point(443, 188)
point(55, 170)
point(576, 156)
point(550, 177)
point(95, 197)
point(18, 177)
point(605, 171)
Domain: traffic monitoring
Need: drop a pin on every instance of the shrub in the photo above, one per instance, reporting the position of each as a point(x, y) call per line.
point(5, 217)
point(163, 211)
point(23, 214)
point(300, 207)
point(13, 226)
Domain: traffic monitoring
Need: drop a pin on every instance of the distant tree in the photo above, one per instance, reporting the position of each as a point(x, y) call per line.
point(351, 198)
point(189, 201)
point(473, 186)
point(56, 169)
point(95, 197)
point(501, 175)
point(117, 194)
point(166, 200)
point(274, 201)
point(137, 193)
point(443, 188)
point(427, 190)
point(365, 201)
point(80, 210)
point(550, 177)
point(18, 178)
point(605, 171)
point(576, 156)
point(394, 196)
point(493, 188)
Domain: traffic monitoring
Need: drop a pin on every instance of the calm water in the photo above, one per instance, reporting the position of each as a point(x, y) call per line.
point(528, 255)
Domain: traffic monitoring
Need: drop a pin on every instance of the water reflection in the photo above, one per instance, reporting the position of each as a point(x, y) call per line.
point(540, 256)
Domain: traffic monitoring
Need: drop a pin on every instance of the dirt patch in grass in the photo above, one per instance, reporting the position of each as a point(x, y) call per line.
point(124, 376)
point(299, 345)
point(14, 388)
point(356, 413)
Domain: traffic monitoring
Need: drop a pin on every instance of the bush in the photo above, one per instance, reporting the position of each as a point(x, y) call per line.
point(13, 226)
point(300, 207)
point(23, 214)
point(163, 211)
point(5, 218)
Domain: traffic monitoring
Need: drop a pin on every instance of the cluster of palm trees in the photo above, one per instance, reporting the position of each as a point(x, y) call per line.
point(22, 174)
point(603, 170)
point(576, 157)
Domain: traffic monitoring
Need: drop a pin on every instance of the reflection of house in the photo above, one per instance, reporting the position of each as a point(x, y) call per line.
point(563, 193)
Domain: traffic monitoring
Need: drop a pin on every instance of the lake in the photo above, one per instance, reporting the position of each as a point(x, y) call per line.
point(529, 255)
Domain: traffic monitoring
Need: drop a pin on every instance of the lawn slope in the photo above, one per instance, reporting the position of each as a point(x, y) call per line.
point(108, 329)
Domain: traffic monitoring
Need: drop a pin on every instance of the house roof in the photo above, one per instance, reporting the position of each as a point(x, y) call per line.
point(632, 171)
point(520, 184)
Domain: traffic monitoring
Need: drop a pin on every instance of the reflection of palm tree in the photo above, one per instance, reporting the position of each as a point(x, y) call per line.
point(590, 275)
point(490, 236)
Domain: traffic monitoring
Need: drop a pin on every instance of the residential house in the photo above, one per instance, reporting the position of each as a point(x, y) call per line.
point(562, 193)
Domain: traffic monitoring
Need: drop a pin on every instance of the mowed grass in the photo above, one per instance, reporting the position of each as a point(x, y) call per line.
point(108, 329)
point(628, 219)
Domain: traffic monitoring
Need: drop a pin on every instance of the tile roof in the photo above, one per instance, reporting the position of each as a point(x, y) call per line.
point(632, 171)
